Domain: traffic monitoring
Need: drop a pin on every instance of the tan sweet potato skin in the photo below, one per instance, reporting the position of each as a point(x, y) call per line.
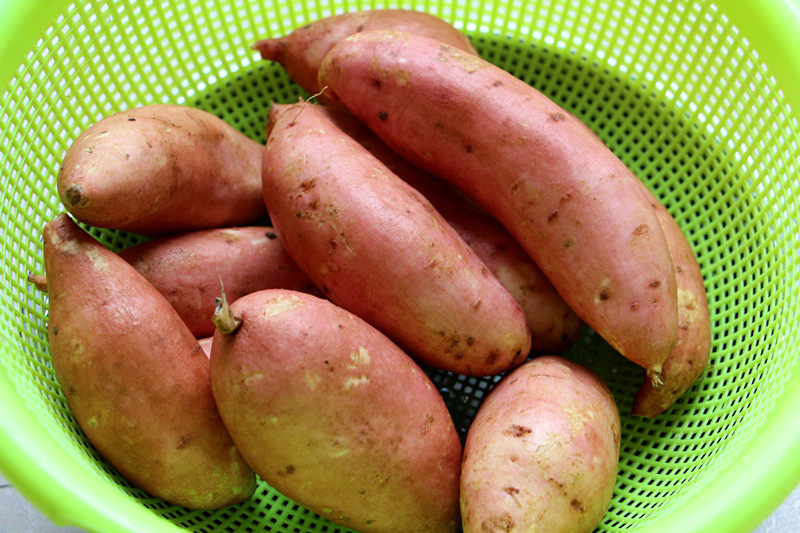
point(689, 355)
point(376, 247)
point(134, 377)
point(301, 52)
point(542, 452)
point(335, 416)
point(553, 325)
point(563, 195)
point(161, 169)
point(187, 269)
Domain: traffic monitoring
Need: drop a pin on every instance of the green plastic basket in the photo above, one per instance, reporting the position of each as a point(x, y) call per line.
point(700, 99)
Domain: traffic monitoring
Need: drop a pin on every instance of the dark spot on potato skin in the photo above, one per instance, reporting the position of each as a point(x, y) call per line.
point(552, 216)
point(308, 184)
point(498, 523)
point(360, 28)
point(569, 243)
point(678, 269)
point(459, 356)
point(470, 340)
point(184, 440)
point(556, 117)
point(469, 149)
point(376, 83)
point(558, 484)
point(269, 235)
point(286, 470)
point(654, 284)
point(641, 229)
point(383, 115)
point(131, 119)
point(604, 295)
point(577, 505)
point(511, 490)
point(477, 304)
point(55, 330)
point(492, 357)
point(74, 194)
point(497, 83)
point(518, 431)
point(634, 306)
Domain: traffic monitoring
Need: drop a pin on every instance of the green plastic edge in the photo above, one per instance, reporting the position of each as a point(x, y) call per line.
point(771, 26)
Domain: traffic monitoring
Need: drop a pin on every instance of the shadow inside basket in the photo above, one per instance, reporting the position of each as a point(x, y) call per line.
point(687, 170)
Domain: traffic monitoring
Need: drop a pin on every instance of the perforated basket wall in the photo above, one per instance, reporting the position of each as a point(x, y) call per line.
point(672, 87)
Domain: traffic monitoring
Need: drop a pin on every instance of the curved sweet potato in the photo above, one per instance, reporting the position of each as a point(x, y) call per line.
point(377, 248)
point(187, 269)
point(689, 355)
point(135, 378)
point(335, 416)
point(542, 452)
point(161, 169)
point(560, 192)
point(553, 325)
point(301, 52)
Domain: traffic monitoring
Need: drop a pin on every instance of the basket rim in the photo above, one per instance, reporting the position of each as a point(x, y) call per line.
point(740, 498)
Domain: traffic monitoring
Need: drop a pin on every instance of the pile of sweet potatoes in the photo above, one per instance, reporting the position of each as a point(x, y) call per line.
point(436, 211)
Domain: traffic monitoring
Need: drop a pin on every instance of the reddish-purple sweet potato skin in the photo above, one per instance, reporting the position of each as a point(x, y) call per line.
point(689, 355)
point(553, 325)
point(542, 452)
point(377, 248)
point(161, 169)
point(301, 52)
point(187, 269)
point(563, 195)
point(134, 377)
point(335, 416)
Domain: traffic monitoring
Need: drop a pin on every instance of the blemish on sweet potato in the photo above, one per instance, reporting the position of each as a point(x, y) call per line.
point(477, 304)
point(469, 149)
point(654, 284)
point(604, 295)
point(641, 229)
point(518, 431)
point(286, 470)
point(552, 216)
point(383, 115)
point(569, 242)
point(459, 356)
point(470, 340)
point(678, 269)
point(497, 83)
point(131, 119)
point(516, 185)
point(556, 117)
point(558, 484)
point(308, 184)
point(634, 306)
point(269, 235)
point(183, 441)
point(577, 505)
point(498, 523)
point(74, 194)
point(492, 357)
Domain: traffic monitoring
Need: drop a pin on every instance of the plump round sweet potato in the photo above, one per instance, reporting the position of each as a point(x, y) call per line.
point(187, 269)
point(335, 416)
point(565, 197)
point(689, 355)
point(542, 452)
point(134, 376)
point(301, 52)
point(553, 325)
point(161, 169)
point(376, 247)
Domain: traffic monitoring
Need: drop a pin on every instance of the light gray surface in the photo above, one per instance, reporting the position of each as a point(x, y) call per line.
point(18, 516)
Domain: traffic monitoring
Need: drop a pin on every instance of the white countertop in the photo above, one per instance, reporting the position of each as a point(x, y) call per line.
point(19, 516)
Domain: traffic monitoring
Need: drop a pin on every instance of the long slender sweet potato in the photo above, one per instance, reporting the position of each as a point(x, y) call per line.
point(335, 416)
point(553, 325)
point(542, 452)
point(187, 269)
point(134, 376)
point(301, 52)
point(379, 249)
point(161, 169)
point(563, 195)
point(689, 355)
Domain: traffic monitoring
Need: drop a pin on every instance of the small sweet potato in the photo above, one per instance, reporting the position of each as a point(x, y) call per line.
point(187, 269)
point(336, 417)
point(134, 376)
point(542, 452)
point(553, 325)
point(301, 52)
point(565, 197)
point(161, 169)
point(376, 247)
point(689, 355)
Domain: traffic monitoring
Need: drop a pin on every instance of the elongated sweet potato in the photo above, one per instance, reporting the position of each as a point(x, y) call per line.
point(553, 325)
point(162, 169)
point(689, 355)
point(135, 378)
point(377, 248)
point(563, 195)
point(542, 452)
point(301, 52)
point(187, 269)
point(335, 416)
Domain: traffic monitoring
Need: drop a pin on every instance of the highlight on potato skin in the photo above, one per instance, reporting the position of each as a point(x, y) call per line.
point(136, 380)
point(376, 247)
point(161, 169)
point(565, 197)
point(542, 452)
point(335, 416)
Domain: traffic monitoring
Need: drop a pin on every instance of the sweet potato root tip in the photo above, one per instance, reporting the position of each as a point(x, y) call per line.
point(655, 377)
point(39, 281)
point(225, 320)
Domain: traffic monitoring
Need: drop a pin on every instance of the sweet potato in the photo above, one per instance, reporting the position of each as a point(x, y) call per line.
point(134, 376)
point(564, 196)
point(332, 414)
point(689, 355)
point(187, 269)
point(542, 452)
point(301, 52)
point(161, 169)
point(553, 325)
point(377, 248)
